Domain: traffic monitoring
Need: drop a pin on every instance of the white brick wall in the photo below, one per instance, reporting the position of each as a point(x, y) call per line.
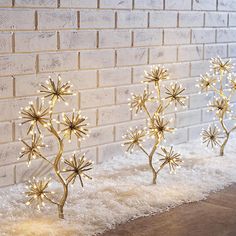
point(103, 47)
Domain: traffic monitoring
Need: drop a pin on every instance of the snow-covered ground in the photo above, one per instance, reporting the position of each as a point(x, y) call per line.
point(121, 191)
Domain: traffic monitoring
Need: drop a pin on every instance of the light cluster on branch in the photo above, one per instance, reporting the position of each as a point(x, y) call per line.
point(39, 117)
point(155, 104)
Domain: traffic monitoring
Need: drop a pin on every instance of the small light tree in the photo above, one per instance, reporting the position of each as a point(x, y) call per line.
point(158, 124)
point(222, 82)
point(40, 119)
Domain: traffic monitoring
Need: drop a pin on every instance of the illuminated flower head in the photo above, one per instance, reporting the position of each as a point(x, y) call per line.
point(77, 167)
point(171, 158)
point(134, 138)
point(220, 66)
point(174, 94)
point(206, 81)
point(37, 192)
point(220, 105)
point(56, 91)
point(138, 102)
point(32, 150)
point(159, 126)
point(211, 136)
point(156, 75)
point(232, 83)
point(35, 115)
point(76, 125)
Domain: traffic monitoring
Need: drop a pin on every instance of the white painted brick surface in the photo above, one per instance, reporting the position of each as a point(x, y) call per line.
point(148, 4)
point(57, 18)
point(114, 38)
point(35, 41)
point(5, 42)
point(17, 19)
point(131, 56)
point(148, 37)
point(97, 59)
point(176, 36)
point(191, 19)
point(116, 4)
point(132, 19)
point(94, 19)
point(36, 3)
point(103, 48)
point(78, 39)
point(163, 19)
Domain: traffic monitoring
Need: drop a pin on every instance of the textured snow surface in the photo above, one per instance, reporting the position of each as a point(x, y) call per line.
point(121, 191)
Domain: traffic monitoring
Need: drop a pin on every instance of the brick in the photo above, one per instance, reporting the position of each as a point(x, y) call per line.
point(5, 132)
point(199, 100)
point(116, 4)
point(15, 19)
point(114, 38)
point(17, 64)
point(148, 4)
point(178, 5)
point(163, 19)
point(109, 151)
point(232, 50)
point(7, 175)
point(38, 168)
point(207, 116)
point(35, 41)
point(216, 19)
point(58, 61)
point(131, 19)
point(204, 5)
point(5, 3)
point(190, 53)
point(101, 135)
point(191, 19)
point(226, 5)
point(226, 35)
point(97, 97)
point(138, 73)
point(199, 67)
point(148, 37)
point(78, 39)
point(78, 3)
point(123, 93)
point(113, 115)
point(114, 77)
point(203, 36)
point(57, 19)
point(97, 59)
point(6, 87)
point(163, 54)
point(176, 36)
point(188, 118)
point(91, 114)
point(94, 19)
point(178, 70)
point(5, 42)
point(9, 152)
point(211, 50)
point(232, 19)
point(131, 56)
point(189, 84)
point(36, 3)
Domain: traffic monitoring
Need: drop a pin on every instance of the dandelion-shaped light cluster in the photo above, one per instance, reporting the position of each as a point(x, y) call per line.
point(39, 116)
point(158, 124)
point(221, 83)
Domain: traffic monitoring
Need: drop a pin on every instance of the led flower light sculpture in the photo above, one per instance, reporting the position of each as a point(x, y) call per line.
point(158, 124)
point(222, 82)
point(39, 117)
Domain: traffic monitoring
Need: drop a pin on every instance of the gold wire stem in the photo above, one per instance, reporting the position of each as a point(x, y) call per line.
point(148, 113)
point(227, 133)
point(144, 150)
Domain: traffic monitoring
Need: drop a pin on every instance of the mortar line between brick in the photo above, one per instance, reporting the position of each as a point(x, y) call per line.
point(36, 20)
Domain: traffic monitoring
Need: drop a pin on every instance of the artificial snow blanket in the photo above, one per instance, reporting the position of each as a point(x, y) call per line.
point(121, 190)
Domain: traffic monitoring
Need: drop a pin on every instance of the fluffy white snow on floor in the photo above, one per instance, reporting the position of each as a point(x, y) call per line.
point(121, 191)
